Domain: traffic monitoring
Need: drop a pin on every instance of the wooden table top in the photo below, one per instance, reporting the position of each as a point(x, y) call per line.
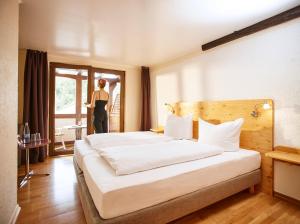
point(285, 156)
point(36, 144)
point(157, 130)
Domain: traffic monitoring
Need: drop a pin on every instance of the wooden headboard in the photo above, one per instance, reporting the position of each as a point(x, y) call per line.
point(256, 134)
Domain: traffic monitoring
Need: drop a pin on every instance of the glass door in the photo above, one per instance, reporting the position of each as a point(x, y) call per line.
point(68, 114)
point(115, 81)
point(71, 87)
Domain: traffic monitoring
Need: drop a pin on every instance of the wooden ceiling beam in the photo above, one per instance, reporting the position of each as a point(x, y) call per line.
point(272, 21)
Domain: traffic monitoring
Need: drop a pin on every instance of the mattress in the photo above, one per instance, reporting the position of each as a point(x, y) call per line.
point(115, 195)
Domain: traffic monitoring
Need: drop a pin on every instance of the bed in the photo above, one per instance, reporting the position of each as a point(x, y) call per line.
point(165, 194)
point(107, 198)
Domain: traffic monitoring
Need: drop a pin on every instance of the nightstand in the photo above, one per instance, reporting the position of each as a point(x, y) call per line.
point(159, 130)
point(286, 173)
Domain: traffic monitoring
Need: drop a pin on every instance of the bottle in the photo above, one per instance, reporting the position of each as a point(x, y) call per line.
point(26, 133)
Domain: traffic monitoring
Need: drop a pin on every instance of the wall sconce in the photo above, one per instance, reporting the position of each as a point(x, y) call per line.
point(266, 106)
point(256, 113)
point(170, 108)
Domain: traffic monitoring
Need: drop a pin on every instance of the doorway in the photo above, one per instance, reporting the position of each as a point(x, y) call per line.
point(115, 87)
point(71, 86)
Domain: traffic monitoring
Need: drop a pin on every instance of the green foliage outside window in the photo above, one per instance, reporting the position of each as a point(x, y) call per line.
point(65, 95)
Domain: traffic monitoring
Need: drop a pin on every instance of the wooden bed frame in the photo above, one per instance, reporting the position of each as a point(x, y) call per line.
point(256, 134)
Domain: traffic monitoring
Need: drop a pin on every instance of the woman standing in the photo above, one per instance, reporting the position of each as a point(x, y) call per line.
point(99, 103)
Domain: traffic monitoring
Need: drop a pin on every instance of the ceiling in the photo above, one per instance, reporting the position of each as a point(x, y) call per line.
point(136, 32)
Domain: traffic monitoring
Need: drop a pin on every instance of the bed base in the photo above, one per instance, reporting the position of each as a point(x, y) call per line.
point(169, 210)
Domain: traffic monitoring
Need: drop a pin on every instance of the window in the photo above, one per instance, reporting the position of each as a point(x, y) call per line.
point(84, 88)
point(65, 95)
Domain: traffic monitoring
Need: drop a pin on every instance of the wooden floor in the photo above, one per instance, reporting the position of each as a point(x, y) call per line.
point(54, 199)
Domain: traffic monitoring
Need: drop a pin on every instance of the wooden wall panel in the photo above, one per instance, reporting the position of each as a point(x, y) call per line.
point(256, 134)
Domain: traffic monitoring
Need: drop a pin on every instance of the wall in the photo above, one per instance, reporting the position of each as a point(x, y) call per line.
point(263, 65)
point(132, 88)
point(22, 58)
point(9, 14)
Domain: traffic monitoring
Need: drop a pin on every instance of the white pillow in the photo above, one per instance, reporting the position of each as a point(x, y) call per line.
point(179, 127)
point(225, 135)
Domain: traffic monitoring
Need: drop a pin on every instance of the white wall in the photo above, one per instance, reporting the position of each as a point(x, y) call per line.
point(132, 85)
point(263, 65)
point(9, 15)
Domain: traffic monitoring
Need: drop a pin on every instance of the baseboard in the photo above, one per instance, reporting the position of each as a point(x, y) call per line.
point(15, 215)
point(287, 198)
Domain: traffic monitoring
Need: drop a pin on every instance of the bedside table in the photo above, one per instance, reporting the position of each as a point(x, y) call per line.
point(159, 130)
point(286, 173)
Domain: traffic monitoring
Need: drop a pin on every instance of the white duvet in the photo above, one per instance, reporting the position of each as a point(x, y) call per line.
point(132, 159)
point(104, 140)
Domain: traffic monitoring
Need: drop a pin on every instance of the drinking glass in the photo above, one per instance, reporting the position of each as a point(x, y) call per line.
point(38, 137)
point(33, 138)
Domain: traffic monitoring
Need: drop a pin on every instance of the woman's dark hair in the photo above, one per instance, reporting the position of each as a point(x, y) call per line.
point(101, 83)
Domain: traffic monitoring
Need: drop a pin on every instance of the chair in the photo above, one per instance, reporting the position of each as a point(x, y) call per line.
point(59, 133)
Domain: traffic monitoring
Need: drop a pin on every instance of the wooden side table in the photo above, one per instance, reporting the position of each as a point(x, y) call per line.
point(286, 158)
point(27, 147)
point(159, 130)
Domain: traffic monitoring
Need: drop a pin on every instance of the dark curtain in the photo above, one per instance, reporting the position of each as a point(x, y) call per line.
point(146, 108)
point(35, 108)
